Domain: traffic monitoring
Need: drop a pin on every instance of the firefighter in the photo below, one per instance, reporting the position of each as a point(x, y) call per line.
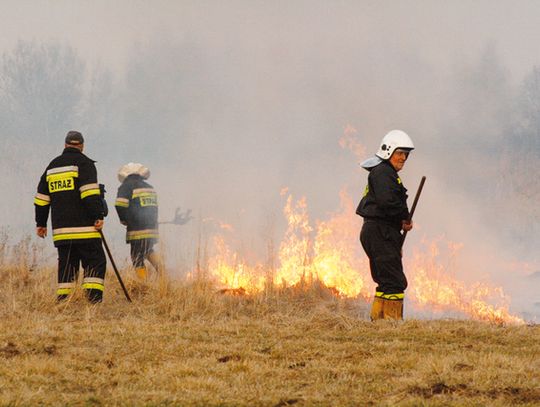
point(137, 207)
point(385, 212)
point(69, 187)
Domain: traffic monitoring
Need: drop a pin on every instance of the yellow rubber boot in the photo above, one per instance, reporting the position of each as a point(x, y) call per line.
point(393, 309)
point(377, 308)
point(141, 273)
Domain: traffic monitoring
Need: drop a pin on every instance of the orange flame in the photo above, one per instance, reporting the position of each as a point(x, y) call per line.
point(331, 253)
point(349, 140)
point(433, 286)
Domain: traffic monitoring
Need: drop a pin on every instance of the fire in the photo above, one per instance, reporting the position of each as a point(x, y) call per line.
point(434, 287)
point(331, 254)
point(350, 141)
point(232, 272)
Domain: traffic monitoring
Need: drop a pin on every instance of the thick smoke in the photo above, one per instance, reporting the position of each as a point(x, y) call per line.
point(229, 102)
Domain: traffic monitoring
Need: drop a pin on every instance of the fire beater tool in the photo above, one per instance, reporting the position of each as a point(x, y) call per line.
point(179, 218)
point(411, 213)
point(114, 266)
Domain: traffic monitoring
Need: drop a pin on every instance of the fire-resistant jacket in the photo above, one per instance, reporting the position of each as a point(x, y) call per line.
point(385, 197)
point(70, 189)
point(137, 207)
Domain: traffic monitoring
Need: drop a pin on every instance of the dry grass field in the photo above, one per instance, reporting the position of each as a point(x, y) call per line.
point(183, 343)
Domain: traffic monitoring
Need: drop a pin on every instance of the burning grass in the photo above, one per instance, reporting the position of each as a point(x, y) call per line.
point(187, 343)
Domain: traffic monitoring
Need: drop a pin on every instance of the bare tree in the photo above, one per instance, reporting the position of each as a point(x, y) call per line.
point(40, 89)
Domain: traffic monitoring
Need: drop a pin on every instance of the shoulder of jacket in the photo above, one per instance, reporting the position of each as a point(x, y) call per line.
point(87, 159)
point(382, 168)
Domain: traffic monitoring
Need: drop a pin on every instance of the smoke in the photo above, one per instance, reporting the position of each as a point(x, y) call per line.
point(228, 103)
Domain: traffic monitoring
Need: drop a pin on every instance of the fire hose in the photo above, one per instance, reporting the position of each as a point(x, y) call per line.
point(413, 208)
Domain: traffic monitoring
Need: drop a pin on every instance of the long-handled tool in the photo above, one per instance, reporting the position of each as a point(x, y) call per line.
point(179, 218)
point(411, 213)
point(114, 266)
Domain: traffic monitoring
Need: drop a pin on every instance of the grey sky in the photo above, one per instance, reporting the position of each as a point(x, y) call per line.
point(440, 29)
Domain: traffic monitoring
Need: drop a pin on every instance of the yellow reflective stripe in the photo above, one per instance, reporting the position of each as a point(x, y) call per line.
point(142, 190)
point(90, 192)
point(123, 202)
point(62, 175)
point(144, 236)
point(95, 286)
point(399, 180)
point(69, 236)
point(41, 202)
point(64, 291)
point(144, 194)
point(379, 294)
point(394, 296)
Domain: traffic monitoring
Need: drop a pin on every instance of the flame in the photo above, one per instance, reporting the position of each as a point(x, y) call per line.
point(435, 288)
point(331, 254)
point(232, 272)
point(349, 140)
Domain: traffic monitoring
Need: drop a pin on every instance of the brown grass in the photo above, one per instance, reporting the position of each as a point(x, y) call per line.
point(184, 343)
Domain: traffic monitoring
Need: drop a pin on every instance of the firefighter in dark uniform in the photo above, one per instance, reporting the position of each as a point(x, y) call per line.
point(137, 207)
point(69, 187)
point(385, 212)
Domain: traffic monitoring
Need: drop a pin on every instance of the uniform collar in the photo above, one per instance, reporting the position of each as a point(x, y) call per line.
point(72, 150)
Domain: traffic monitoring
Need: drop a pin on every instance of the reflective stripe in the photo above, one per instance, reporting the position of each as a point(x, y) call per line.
point(139, 191)
point(379, 294)
point(86, 187)
point(399, 180)
point(123, 202)
point(89, 189)
point(90, 192)
point(145, 236)
point(95, 286)
point(62, 175)
point(96, 280)
point(65, 288)
point(143, 194)
point(68, 168)
point(76, 229)
point(43, 197)
point(85, 232)
point(142, 234)
point(394, 296)
point(41, 202)
point(74, 236)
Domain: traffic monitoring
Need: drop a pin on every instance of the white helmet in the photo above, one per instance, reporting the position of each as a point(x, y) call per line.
point(395, 139)
point(133, 168)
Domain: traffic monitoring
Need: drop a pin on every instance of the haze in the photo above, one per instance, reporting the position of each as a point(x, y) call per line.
point(228, 102)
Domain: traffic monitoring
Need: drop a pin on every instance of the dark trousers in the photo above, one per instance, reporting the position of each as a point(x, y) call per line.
point(140, 249)
point(92, 257)
point(382, 244)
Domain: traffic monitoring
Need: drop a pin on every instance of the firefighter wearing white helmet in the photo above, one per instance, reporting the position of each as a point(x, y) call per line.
point(385, 212)
point(137, 207)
